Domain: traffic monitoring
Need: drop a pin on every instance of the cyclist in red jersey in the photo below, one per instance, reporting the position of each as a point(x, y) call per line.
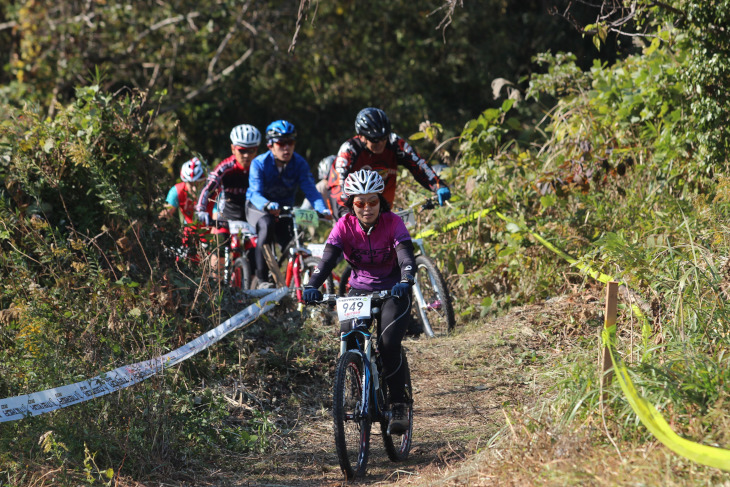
point(183, 196)
point(227, 185)
point(376, 148)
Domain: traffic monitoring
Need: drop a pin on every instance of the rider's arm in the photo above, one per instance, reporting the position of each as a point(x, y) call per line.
point(419, 168)
point(403, 248)
point(330, 255)
point(342, 166)
point(212, 184)
point(171, 204)
point(406, 260)
point(255, 193)
point(306, 182)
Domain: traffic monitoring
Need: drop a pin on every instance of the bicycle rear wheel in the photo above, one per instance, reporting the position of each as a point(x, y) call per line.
point(399, 446)
point(352, 428)
point(438, 313)
point(310, 263)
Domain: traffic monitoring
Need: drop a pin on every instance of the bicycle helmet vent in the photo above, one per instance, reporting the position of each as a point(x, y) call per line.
point(193, 170)
point(372, 123)
point(245, 136)
point(363, 182)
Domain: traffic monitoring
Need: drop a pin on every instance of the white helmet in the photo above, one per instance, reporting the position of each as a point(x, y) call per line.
point(245, 136)
point(193, 170)
point(324, 166)
point(363, 182)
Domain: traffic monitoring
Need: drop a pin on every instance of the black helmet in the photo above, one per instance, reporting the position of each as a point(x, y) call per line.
point(373, 123)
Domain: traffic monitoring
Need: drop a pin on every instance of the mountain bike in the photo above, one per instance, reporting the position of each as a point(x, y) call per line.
point(298, 260)
point(432, 301)
point(359, 398)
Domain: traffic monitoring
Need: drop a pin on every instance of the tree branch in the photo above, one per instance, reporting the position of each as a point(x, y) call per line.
point(160, 25)
point(300, 18)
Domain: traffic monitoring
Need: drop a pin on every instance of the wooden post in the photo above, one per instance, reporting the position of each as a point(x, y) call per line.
point(610, 320)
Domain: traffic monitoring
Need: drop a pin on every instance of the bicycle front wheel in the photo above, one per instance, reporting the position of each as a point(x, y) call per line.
point(399, 446)
point(437, 312)
point(352, 427)
point(241, 273)
point(310, 263)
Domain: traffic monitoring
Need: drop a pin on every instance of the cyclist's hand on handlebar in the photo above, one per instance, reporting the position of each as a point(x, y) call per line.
point(401, 289)
point(443, 194)
point(311, 295)
point(273, 208)
point(203, 217)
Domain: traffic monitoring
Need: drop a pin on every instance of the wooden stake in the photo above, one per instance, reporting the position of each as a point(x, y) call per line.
point(610, 320)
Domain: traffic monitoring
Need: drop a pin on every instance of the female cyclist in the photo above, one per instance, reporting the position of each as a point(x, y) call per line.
point(376, 243)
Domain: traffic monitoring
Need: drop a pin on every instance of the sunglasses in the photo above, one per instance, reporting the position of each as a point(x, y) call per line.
point(284, 142)
point(363, 204)
point(247, 150)
point(376, 140)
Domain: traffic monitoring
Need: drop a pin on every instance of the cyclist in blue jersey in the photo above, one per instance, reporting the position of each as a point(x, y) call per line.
point(376, 243)
point(274, 179)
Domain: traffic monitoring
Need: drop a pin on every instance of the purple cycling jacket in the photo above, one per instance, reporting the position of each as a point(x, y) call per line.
point(379, 258)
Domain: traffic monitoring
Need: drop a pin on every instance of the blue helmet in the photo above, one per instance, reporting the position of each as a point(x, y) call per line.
point(280, 129)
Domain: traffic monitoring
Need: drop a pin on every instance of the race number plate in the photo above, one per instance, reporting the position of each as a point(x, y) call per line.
point(353, 307)
point(408, 217)
point(306, 218)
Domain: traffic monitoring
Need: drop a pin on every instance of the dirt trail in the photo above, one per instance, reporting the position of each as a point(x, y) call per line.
point(461, 385)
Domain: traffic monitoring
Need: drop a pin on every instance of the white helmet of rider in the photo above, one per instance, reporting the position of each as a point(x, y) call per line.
point(245, 136)
point(323, 169)
point(363, 182)
point(193, 170)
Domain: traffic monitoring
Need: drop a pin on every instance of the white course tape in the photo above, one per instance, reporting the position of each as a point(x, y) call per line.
point(19, 407)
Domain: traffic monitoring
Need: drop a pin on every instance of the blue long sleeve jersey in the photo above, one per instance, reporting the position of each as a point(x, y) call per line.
point(267, 184)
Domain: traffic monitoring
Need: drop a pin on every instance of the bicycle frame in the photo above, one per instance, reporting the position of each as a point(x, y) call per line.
point(297, 253)
point(242, 238)
point(358, 368)
point(371, 379)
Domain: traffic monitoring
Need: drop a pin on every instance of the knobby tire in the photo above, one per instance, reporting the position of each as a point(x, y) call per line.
point(352, 431)
point(440, 313)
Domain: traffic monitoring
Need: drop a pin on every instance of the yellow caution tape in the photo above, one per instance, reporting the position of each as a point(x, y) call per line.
point(646, 412)
point(655, 422)
point(646, 328)
point(455, 224)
